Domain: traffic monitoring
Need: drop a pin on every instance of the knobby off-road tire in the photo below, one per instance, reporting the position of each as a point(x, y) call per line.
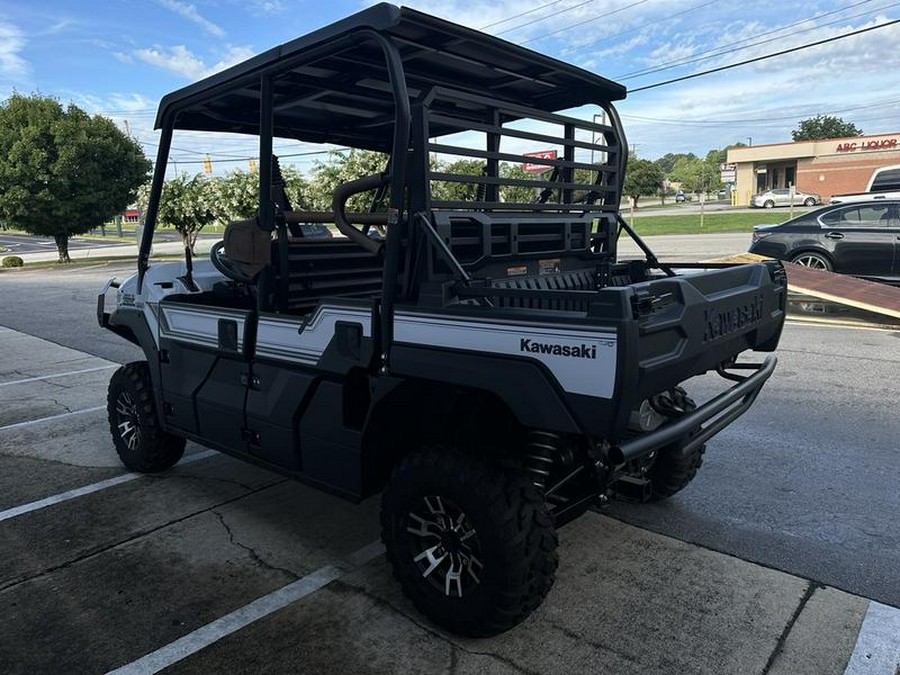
point(141, 444)
point(471, 543)
point(673, 469)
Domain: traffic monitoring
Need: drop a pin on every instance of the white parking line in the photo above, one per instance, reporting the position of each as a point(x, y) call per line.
point(39, 420)
point(89, 489)
point(877, 650)
point(212, 632)
point(50, 377)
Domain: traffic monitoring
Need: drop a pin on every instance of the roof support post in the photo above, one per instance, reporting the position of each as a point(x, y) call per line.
point(159, 177)
point(266, 129)
point(398, 186)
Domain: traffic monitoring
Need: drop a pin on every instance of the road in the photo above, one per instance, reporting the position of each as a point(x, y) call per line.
point(19, 244)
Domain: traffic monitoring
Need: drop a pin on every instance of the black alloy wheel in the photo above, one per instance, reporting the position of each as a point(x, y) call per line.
point(815, 261)
point(470, 541)
point(140, 442)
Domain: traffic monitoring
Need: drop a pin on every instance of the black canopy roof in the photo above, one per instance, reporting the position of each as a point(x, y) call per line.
point(333, 85)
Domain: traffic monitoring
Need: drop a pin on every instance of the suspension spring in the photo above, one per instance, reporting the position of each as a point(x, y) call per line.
point(541, 452)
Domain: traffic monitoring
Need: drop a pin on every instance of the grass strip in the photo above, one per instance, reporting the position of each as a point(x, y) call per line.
point(689, 223)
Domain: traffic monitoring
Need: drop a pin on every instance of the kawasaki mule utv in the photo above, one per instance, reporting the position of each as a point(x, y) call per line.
point(471, 346)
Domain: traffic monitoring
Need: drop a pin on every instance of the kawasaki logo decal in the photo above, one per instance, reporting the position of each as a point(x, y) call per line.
point(582, 351)
point(722, 323)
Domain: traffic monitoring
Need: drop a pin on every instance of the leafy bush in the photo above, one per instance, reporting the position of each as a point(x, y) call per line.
point(12, 261)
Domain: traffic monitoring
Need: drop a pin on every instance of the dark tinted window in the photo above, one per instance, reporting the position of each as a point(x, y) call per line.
point(780, 191)
point(887, 180)
point(876, 215)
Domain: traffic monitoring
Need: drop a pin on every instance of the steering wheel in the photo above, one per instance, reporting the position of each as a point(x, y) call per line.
point(226, 266)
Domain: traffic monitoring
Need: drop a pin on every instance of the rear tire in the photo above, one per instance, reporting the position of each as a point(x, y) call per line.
point(471, 543)
point(814, 260)
point(673, 470)
point(769, 204)
point(809, 202)
point(140, 442)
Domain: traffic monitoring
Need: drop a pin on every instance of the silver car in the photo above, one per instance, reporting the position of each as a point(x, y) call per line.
point(782, 197)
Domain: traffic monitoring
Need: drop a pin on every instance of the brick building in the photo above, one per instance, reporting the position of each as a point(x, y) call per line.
point(826, 168)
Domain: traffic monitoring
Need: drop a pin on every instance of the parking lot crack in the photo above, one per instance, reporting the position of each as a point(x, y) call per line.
point(61, 405)
point(216, 479)
point(8, 585)
point(779, 646)
point(254, 556)
point(572, 635)
point(343, 586)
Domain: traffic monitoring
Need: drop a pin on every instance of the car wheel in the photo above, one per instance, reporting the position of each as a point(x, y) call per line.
point(471, 543)
point(809, 201)
point(141, 444)
point(769, 204)
point(813, 260)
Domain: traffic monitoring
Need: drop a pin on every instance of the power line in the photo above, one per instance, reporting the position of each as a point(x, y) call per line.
point(705, 56)
point(542, 18)
point(728, 121)
point(766, 57)
point(516, 16)
point(609, 38)
point(582, 23)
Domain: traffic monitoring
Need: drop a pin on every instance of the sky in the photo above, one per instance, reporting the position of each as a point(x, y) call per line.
point(119, 57)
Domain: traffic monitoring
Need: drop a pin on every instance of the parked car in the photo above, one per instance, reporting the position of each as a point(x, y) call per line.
point(682, 196)
point(782, 197)
point(862, 239)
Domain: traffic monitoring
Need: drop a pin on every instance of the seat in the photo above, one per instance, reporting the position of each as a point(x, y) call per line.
point(247, 246)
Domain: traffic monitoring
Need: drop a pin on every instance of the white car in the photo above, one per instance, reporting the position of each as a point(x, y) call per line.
point(782, 197)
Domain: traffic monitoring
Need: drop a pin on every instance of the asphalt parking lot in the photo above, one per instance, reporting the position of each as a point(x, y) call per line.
point(216, 566)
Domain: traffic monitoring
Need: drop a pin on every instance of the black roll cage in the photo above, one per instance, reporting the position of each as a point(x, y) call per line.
point(413, 69)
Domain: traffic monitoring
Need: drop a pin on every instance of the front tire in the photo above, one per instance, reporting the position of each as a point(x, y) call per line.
point(769, 204)
point(471, 543)
point(140, 442)
point(809, 202)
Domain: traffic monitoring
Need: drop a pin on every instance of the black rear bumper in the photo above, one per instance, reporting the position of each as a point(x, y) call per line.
point(715, 414)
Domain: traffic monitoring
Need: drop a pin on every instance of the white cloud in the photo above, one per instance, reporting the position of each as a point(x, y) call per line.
point(12, 42)
point(266, 7)
point(182, 61)
point(177, 59)
point(190, 13)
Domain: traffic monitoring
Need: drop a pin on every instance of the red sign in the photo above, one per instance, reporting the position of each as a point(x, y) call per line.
point(541, 154)
point(862, 146)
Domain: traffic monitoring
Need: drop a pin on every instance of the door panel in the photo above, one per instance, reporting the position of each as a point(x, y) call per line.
point(204, 374)
point(861, 238)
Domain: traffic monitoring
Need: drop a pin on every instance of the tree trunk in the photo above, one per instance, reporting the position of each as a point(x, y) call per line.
point(187, 241)
point(62, 245)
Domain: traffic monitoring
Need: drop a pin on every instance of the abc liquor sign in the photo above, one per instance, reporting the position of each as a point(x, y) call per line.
point(863, 146)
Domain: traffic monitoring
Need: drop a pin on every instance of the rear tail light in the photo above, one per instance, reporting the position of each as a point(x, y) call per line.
point(757, 235)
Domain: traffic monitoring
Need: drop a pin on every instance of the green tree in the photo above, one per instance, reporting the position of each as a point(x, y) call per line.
point(667, 161)
point(822, 127)
point(189, 204)
point(517, 194)
point(642, 177)
point(62, 171)
point(237, 194)
point(455, 191)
